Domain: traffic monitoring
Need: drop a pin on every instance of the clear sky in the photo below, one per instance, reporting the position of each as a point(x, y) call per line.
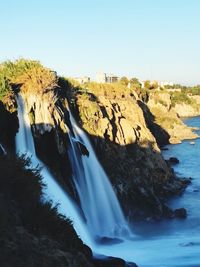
point(148, 39)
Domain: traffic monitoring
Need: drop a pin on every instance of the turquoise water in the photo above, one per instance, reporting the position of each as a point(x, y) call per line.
point(173, 242)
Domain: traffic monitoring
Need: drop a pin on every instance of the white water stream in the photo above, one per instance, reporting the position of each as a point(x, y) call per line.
point(98, 200)
point(25, 145)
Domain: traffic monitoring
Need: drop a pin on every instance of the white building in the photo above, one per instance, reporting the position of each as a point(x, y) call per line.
point(106, 78)
point(101, 77)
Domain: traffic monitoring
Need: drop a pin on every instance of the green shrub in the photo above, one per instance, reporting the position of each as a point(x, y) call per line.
point(180, 97)
point(194, 90)
point(29, 75)
point(4, 85)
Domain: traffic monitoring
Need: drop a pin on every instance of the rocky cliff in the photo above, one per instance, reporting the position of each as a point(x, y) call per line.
point(126, 133)
point(188, 110)
point(126, 137)
point(167, 114)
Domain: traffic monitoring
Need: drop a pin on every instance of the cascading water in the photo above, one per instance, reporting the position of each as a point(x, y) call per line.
point(103, 214)
point(98, 200)
point(52, 191)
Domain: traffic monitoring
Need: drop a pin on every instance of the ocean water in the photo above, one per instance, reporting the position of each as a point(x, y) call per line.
point(172, 242)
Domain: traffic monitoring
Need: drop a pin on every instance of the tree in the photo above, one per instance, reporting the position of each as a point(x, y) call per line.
point(30, 75)
point(124, 80)
point(150, 85)
point(147, 84)
point(135, 84)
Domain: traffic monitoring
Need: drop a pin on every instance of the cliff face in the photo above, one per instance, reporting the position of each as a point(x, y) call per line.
point(117, 123)
point(186, 110)
point(168, 116)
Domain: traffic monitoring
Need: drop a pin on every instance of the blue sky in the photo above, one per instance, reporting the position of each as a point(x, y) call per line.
point(148, 39)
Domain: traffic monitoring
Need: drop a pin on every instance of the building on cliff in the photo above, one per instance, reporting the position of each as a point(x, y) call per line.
point(102, 77)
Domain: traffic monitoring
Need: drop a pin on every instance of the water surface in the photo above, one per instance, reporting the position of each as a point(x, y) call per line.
point(173, 242)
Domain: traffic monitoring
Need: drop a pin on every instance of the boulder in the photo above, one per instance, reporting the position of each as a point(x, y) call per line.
point(173, 160)
point(112, 262)
point(180, 213)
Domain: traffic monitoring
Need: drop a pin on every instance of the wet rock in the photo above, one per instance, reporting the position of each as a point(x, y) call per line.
point(112, 262)
point(196, 190)
point(83, 149)
point(109, 240)
point(186, 181)
point(180, 213)
point(164, 149)
point(131, 264)
point(173, 160)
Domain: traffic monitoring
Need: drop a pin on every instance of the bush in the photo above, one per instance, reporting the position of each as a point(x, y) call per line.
point(29, 75)
point(180, 97)
point(194, 90)
point(5, 87)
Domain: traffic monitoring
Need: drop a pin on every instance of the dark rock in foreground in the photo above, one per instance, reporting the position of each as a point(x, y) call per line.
point(181, 213)
point(173, 160)
point(112, 262)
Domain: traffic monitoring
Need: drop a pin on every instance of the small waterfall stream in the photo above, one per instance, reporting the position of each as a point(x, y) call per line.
point(98, 200)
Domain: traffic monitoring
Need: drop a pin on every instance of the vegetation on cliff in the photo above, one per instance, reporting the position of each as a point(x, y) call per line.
point(29, 75)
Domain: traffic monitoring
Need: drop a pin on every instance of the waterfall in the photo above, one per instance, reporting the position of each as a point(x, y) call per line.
point(52, 191)
point(103, 214)
point(98, 200)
